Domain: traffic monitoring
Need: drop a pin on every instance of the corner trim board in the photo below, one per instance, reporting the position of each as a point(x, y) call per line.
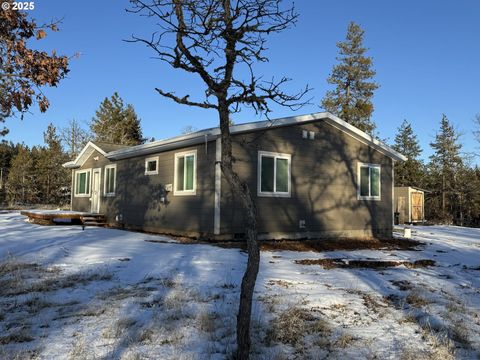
point(218, 186)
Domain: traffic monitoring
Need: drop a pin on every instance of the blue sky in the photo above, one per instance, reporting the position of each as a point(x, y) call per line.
point(426, 54)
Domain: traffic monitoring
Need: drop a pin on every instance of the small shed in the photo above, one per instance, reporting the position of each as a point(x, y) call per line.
point(409, 205)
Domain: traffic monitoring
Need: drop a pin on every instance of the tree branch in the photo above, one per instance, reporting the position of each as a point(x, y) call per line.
point(184, 100)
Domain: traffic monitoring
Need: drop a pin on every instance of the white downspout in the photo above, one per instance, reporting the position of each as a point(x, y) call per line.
point(218, 185)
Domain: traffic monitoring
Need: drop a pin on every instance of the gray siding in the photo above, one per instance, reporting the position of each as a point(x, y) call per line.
point(323, 185)
point(137, 198)
point(323, 189)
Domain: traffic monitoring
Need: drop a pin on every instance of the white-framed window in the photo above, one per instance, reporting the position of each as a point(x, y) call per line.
point(274, 174)
point(185, 176)
point(369, 183)
point(151, 166)
point(82, 182)
point(110, 181)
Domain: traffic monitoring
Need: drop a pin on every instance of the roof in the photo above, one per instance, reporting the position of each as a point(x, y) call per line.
point(108, 147)
point(213, 133)
point(413, 187)
point(102, 147)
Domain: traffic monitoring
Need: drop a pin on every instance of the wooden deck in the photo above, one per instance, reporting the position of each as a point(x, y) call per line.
point(45, 217)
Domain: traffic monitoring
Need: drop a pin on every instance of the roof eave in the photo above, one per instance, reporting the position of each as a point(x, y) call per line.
point(70, 165)
point(211, 134)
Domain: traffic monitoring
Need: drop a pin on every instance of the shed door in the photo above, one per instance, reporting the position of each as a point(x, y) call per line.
point(417, 206)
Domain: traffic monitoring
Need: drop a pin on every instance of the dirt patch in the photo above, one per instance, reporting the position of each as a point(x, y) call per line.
point(321, 245)
point(364, 264)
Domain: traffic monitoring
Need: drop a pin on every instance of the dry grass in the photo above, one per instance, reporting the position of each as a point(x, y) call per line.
point(416, 299)
point(363, 264)
point(345, 340)
point(21, 335)
point(282, 283)
point(322, 245)
point(403, 285)
point(207, 321)
point(119, 328)
point(11, 354)
point(23, 278)
point(293, 324)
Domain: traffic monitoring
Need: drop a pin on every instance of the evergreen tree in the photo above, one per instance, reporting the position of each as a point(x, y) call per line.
point(21, 184)
point(410, 172)
point(52, 178)
point(444, 167)
point(351, 99)
point(74, 138)
point(116, 123)
point(7, 152)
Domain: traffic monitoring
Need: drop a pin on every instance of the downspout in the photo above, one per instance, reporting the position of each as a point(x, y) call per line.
point(218, 185)
point(71, 192)
point(393, 194)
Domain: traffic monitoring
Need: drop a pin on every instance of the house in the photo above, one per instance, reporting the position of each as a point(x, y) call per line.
point(312, 176)
point(409, 204)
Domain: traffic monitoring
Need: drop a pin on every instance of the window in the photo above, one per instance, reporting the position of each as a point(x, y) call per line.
point(273, 174)
point(369, 182)
point(82, 183)
point(185, 173)
point(110, 180)
point(151, 166)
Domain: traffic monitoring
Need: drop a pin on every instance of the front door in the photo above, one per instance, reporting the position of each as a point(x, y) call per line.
point(96, 191)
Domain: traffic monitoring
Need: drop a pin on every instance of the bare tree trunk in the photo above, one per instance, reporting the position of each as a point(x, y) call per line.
point(241, 189)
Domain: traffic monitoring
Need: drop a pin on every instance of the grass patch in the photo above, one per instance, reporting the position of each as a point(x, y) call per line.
point(21, 335)
point(415, 298)
point(293, 324)
point(119, 328)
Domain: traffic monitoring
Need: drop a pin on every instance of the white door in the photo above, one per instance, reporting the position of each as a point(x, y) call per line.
point(96, 191)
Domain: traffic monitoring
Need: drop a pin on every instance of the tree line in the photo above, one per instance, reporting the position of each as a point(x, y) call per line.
point(35, 175)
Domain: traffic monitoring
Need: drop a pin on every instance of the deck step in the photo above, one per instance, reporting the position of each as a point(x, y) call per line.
point(94, 223)
point(94, 220)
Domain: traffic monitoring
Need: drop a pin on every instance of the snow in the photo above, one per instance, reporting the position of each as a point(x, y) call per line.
point(138, 295)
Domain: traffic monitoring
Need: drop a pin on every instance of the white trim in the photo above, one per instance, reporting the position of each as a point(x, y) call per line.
point(276, 156)
point(185, 192)
point(359, 181)
point(86, 152)
point(72, 189)
point(211, 134)
point(393, 192)
point(218, 186)
point(95, 171)
point(77, 172)
point(151, 159)
point(409, 204)
point(105, 193)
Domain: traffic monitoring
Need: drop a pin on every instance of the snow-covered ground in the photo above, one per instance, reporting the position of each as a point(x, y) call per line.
point(103, 293)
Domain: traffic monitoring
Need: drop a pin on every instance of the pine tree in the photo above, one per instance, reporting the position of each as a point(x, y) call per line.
point(52, 178)
point(74, 138)
point(7, 152)
point(351, 99)
point(116, 123)
point(21, 184)
point(410, 172)
point(443, 168)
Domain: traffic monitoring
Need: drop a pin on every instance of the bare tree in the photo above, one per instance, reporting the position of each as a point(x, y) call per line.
point(220, 41)
point(74, 137)
point(188, 129)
